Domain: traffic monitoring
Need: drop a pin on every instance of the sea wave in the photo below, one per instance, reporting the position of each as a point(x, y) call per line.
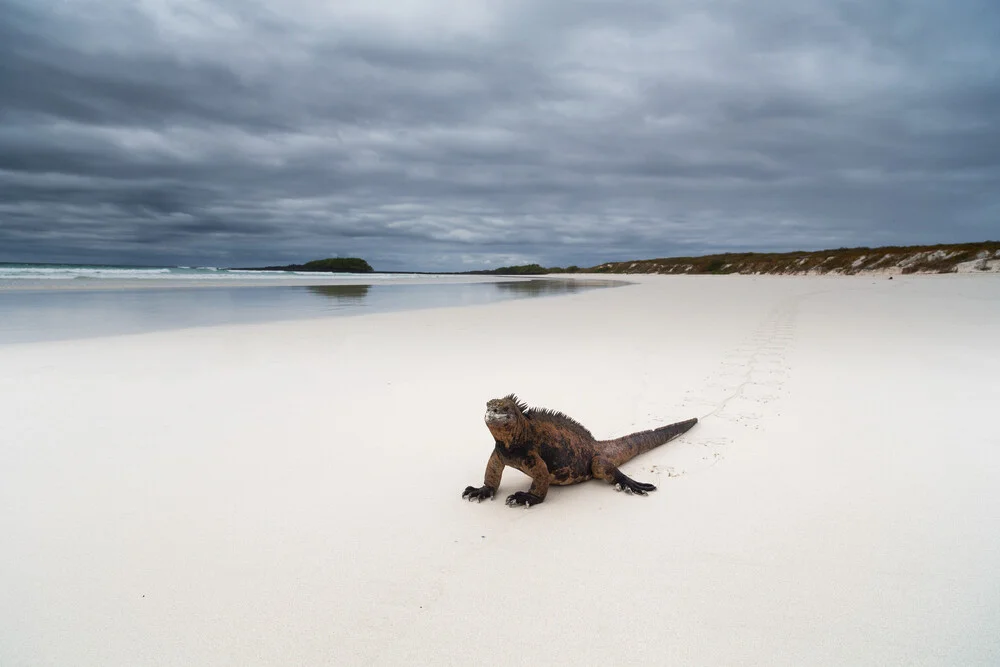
point(11, 273)
point(77, 272)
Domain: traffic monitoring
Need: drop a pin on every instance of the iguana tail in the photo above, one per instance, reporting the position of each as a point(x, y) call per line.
point(627, 447)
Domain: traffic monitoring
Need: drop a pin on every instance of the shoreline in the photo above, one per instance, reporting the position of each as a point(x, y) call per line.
point(119, 308)
point(159, 282)
point(377, 278)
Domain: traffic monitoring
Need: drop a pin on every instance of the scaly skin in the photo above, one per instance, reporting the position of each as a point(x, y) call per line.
point(552, 448)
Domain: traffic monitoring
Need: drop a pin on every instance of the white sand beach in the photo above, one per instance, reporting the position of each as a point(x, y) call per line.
point(290, 493)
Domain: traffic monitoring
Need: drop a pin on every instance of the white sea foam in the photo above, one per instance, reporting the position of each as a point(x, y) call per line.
point(32, 272)
point(22, 272)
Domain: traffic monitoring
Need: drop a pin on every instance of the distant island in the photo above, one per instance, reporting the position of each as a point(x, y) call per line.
point(329, 265)
point(524, 270)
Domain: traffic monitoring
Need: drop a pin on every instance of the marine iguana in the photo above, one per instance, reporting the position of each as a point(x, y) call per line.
point(552, 448)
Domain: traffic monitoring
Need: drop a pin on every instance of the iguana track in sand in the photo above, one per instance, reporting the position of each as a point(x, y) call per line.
point(742, 389)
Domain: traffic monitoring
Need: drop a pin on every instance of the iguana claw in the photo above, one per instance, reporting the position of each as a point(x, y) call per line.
point(522, 498)
point(625, 483)
point(480, 493)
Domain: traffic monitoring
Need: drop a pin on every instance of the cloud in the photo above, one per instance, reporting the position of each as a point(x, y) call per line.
point(437, 134)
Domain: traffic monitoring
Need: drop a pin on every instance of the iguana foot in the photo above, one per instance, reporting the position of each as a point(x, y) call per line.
point(479, 493)
point(625, 483)
point(522, 498)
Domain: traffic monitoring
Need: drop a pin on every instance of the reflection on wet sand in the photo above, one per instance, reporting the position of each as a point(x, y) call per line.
point(546, 287)
point(355, 295)
point(62, 314)
point(351, 294)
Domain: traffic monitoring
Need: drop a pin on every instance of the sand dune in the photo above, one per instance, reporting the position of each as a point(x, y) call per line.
point(289, 493)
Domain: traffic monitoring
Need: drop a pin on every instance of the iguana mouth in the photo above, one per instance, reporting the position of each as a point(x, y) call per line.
point(494, 417)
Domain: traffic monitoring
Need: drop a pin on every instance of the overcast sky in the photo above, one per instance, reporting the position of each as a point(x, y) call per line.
point(462, 134)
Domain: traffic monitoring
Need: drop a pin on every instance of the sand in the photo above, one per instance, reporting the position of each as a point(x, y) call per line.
point(289, 493)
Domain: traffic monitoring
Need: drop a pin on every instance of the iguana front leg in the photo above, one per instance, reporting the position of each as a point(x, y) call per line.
point(535, 467)
point(494, 471)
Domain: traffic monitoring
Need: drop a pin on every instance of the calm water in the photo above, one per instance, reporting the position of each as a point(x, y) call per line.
point(28, 315)
point(20, 275)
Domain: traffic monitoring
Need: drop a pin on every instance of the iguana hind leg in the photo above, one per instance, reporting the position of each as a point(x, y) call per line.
point(609, 472)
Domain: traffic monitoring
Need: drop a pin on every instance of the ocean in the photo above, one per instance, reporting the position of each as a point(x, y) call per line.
point(12, 274)
point(43, 302)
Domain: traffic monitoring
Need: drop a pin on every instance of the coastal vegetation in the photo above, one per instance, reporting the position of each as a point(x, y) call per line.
point(943, 258)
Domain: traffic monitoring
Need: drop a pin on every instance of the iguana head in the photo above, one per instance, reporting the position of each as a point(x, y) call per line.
point(504, 414)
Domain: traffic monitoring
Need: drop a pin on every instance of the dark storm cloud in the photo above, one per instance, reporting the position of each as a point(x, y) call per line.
point(437, 134)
